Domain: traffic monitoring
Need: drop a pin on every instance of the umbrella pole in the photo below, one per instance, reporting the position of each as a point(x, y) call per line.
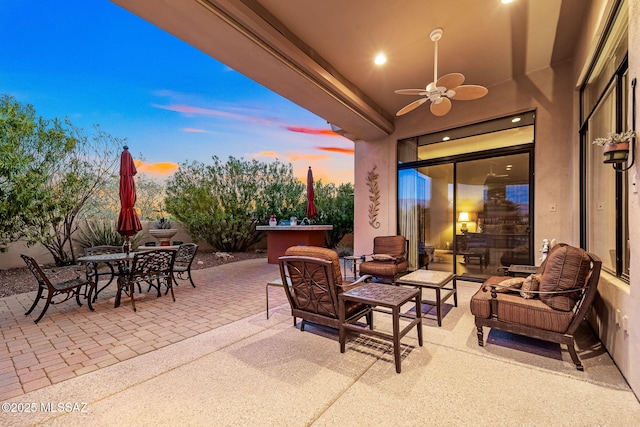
point(126, 245)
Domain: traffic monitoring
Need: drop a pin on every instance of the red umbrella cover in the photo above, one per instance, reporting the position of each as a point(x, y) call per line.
point(128, 221)
point(311, 210)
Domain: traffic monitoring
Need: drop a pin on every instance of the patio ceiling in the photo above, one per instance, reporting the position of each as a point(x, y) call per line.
point(319, 54)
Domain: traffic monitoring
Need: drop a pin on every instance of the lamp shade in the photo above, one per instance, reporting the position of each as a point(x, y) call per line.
point(463, 217)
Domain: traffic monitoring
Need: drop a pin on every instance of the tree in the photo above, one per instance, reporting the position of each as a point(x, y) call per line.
point(104, 204)
point(49, 171)
point(222, 203)
point(28, 145)
point(335, 207)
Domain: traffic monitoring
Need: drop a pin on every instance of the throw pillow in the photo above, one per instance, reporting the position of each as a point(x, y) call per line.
point(511, 284)
point(531, 283)
point(382, 257)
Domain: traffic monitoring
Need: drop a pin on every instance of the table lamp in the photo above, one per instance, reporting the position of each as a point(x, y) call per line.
point(463, 218)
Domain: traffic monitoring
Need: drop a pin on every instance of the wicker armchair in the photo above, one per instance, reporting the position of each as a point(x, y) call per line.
point(550, 310)
point(389, 258)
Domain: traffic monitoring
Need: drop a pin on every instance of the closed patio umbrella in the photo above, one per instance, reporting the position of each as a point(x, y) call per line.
point(311, 210)
point(128, 222)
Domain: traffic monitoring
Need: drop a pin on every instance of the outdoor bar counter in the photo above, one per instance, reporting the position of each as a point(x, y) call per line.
point(281, 237)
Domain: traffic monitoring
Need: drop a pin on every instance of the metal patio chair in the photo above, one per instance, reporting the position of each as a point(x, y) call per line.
point(70, 288)
point(153, 266)
point(182, 265)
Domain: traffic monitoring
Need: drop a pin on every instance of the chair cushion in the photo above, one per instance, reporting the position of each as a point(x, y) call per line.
point(322, 253)
point(566, 268)
point(515, 309)
point(376, 268)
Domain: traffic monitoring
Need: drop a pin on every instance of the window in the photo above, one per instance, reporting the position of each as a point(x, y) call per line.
point(604, 99)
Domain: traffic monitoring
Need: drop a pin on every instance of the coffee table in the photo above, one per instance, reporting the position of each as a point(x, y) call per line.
point(382, 295)
point(433, 280)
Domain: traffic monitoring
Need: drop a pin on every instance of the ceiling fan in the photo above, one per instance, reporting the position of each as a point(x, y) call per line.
point(441, 91)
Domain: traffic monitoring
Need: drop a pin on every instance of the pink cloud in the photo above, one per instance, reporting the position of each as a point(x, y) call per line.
point(312, 131)
point(337, 150)
point(199, 111)
point(265, 154)
point(193, 130)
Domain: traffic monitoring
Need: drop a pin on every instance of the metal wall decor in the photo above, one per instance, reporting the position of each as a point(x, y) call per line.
point(374, 197)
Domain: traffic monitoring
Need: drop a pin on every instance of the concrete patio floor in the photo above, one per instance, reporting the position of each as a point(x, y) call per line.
point(212, 358)
point(71, 341)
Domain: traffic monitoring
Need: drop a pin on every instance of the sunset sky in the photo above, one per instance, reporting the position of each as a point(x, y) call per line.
point(95, 63)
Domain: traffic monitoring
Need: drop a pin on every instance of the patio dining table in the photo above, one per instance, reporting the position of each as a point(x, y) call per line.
point(120, 262)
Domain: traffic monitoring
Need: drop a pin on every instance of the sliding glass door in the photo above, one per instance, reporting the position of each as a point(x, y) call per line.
point(492, 213)
point(464, 204)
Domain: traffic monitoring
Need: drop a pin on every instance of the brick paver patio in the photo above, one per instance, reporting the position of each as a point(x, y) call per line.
point(71, 341)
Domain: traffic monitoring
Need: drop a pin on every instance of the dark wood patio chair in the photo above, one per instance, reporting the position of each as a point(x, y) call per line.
point(182, 265)
point(153, 266)
point(70, 288)
point(313, 282)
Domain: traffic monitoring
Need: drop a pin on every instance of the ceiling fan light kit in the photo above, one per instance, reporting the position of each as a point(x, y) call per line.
point(441, 91)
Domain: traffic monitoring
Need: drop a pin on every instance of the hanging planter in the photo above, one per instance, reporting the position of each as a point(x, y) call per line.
point(616, 153)
point(616, 146)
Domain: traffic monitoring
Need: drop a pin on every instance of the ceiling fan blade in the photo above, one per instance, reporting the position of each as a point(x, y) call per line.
point(441, 108)
point(411, 92)
point(469, 92)
point(450, 80)
point(412, 106)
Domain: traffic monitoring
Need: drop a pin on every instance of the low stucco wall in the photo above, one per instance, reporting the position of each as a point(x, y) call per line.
point(11, 258)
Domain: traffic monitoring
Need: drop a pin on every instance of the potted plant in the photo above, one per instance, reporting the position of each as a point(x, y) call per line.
point(163, 231)
point(616, 146)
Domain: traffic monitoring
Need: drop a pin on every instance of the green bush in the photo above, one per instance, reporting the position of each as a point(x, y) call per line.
point(222, 203)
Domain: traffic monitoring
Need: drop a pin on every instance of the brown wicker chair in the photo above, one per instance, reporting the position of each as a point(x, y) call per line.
point(568, 281)
point(70, 288)
point(388, 260)
point(313, 281)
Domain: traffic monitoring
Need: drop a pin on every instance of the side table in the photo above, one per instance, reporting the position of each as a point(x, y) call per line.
point(353, 262)
point(382, 295)
point(436, 280)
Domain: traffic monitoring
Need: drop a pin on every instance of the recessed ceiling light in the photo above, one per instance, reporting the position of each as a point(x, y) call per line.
point(446, 138)
point(380, 59)
point(507, 1)
point(515, 120)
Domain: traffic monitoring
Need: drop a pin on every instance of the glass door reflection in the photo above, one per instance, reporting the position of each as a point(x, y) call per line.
point(425, 216)
point(492, 212)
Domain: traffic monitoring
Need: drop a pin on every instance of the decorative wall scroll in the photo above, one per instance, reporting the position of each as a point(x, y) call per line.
point(374, 197)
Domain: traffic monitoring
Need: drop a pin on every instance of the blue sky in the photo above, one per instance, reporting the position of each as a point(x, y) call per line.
point(95, 63)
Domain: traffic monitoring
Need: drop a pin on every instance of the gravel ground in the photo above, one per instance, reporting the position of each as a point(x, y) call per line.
point(20, 280)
